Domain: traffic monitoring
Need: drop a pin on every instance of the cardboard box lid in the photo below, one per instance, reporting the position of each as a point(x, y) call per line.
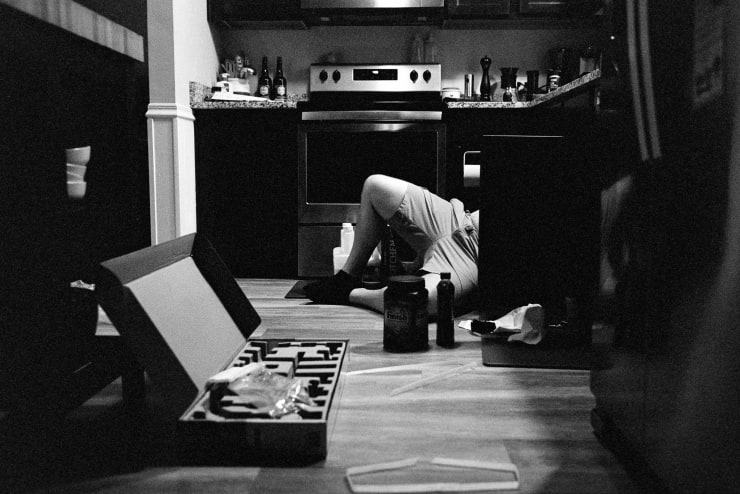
point(179, 310)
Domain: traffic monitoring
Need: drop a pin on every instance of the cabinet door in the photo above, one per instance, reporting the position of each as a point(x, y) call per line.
point(481, 9)
point(235, 11)
point(571, 7)
point(246, 179)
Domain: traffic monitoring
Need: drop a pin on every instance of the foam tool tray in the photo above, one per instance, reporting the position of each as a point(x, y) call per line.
point(185, 319)
point(219, 428)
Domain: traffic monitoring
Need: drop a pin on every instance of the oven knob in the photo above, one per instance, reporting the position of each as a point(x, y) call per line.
point(336, 76)
point(414, 75)
point(427, 76)
point(323, 76)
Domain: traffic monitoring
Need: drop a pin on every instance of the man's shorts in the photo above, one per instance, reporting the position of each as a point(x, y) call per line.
point(443, 234)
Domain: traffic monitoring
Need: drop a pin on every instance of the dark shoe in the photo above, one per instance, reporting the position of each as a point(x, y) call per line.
point(334, 290)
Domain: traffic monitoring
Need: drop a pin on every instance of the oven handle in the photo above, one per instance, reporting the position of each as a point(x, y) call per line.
point(372, 115)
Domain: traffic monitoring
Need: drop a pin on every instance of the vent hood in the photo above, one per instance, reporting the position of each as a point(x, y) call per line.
point(373, 12)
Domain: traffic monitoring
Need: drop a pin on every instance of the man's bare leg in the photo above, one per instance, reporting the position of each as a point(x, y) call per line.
point(380, 199)
point(381, 196)
point(373, 299)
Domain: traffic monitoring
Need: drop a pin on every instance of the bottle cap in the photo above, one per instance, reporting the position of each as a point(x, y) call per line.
point(406, 282)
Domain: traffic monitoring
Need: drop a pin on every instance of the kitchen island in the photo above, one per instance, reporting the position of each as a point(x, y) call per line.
point(535, 418)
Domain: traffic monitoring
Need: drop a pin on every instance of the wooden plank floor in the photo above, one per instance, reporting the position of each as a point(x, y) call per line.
point(536, 418)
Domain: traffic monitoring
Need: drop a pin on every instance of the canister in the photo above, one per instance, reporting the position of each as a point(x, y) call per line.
point(469, 82)
point(553, 80)
point(405, 315)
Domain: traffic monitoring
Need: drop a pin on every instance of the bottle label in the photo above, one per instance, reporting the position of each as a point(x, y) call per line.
point(405, 326)
point(280, 90)
point(264, 90)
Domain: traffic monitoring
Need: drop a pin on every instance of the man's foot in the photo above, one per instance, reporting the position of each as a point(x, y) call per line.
point(334, 290)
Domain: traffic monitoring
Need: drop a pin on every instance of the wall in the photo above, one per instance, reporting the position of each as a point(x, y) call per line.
point(459, 51)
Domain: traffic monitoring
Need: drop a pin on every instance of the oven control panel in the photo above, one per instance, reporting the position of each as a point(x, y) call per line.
point(371, 78)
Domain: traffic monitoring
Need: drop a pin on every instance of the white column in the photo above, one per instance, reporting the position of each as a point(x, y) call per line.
point(171, 171)
point(181, 49)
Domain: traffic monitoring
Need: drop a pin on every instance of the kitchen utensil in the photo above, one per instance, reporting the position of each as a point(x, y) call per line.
point(485, 83)
point(508, 77)
point(533, 82)
point(508, 83)
point(469, 83)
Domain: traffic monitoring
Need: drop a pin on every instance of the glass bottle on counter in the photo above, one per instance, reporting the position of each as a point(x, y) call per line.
point(264, 84)
point(430, 49)
point(280, 84)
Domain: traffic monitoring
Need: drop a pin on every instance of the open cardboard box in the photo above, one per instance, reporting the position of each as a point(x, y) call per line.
point(185, 318)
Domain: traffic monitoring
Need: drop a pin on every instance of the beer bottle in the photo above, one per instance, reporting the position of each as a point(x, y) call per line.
point(280, 84)
point(264, 84)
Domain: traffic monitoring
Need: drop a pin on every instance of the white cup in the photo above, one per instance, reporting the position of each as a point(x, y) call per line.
point(77, 169)
point(78, 156)
point(76, 189)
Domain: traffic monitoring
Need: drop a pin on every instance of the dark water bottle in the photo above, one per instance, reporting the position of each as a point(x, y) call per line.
point(445, 312)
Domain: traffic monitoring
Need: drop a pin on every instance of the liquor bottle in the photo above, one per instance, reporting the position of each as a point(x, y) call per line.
point(445, 313)
point(264, 84)
point(280, 84)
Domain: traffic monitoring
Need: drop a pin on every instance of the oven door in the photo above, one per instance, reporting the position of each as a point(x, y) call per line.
point(335, 158)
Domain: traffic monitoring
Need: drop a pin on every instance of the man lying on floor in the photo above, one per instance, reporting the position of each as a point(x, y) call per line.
point(441, 232)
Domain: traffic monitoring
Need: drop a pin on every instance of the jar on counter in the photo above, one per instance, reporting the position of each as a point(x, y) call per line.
point(406, 320)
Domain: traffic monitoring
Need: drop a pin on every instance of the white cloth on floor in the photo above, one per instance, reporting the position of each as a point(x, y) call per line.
point(525, 324)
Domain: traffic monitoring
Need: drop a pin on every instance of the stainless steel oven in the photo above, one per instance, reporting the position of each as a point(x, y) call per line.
point(368, 119)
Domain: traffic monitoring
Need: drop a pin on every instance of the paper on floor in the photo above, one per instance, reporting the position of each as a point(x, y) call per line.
point(525, 324)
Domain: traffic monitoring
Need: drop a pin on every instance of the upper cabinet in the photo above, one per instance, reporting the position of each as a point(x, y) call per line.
point(256, 14)
point(524, 14)
point(478, 9)
point(300, 14)
point(575, 8)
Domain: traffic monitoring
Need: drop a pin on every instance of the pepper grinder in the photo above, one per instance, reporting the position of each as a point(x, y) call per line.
point(485, 82)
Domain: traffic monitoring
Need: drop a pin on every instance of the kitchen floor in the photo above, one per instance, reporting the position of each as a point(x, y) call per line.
point(538, 419)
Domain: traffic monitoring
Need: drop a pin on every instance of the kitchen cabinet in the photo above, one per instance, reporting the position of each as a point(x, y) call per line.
point(246, 188)
point(258, 14)
point(479, 9)
point(550, 204)
point(523, 14)
point(577, 8)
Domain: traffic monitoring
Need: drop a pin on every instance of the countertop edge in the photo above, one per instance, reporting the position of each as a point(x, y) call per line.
point(200, 93)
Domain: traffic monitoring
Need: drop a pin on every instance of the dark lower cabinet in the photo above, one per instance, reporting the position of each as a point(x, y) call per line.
point(246, 188)
point(539, 215)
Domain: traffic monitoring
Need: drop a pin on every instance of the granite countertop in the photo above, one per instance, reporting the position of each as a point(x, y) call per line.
point(540, 99)
point(235, 105)
point(200, 98)
point(200, 95)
